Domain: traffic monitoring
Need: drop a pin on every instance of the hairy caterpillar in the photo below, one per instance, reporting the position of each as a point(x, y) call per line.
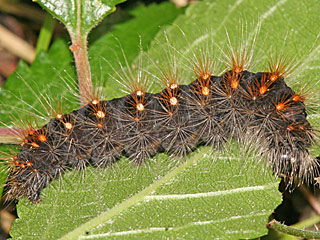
point(209, 111)
point(236, 102)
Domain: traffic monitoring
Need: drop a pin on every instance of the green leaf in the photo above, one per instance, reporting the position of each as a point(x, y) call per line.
point(213, 194)
point(125, 38)
point(79, 16)
point(23, 90)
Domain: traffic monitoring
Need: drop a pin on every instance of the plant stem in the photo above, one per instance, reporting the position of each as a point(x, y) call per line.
point(79, 49)
point(45, 34)
point(293, 231)
point(80, 53)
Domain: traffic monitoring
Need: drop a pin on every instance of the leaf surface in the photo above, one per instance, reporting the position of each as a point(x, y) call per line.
point(79, 16)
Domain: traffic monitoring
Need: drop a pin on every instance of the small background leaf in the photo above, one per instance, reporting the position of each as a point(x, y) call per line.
point(126, 38)
point(46, 76)
point(91, 12)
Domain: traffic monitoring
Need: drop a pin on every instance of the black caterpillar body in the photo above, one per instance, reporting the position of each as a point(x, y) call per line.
point(209, 111)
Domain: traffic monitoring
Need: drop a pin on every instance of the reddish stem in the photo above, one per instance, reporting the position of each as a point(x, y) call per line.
point(80, 53)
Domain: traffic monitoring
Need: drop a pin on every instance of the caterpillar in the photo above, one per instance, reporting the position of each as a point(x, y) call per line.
point(232, 118)
point(209, 111)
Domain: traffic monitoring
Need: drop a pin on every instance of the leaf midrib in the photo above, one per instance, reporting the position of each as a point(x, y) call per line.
point(164, 229)
point(212, 194)
point(82, 229)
